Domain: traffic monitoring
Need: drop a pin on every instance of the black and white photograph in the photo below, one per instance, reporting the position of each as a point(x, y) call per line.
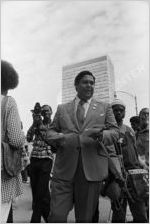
point(74, 111)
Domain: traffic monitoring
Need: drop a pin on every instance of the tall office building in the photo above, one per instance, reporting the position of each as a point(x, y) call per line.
point(103, 71)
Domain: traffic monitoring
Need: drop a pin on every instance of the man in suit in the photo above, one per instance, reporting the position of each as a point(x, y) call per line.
point(80, 165)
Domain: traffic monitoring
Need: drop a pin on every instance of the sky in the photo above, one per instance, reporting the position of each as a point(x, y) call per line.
point(40, 37)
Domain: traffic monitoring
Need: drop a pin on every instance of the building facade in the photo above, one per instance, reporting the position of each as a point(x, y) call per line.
point(102, 69)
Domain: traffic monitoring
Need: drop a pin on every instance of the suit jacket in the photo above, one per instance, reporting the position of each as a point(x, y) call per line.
point(95, 164)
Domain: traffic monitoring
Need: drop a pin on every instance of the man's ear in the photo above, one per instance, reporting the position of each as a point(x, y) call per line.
point(76, 87)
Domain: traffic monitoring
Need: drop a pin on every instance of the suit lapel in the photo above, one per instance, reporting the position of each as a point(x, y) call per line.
point(72, 113)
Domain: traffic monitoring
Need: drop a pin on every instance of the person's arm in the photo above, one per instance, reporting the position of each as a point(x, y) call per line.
point(141, 151)
point(30, 134)
point(53, 135)
point(109, 126)
point(15, 135)
point(110, 121)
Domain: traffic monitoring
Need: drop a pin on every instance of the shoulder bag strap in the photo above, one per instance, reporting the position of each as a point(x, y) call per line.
point(4, 104)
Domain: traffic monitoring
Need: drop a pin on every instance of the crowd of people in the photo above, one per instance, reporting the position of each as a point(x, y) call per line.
point(85, 152)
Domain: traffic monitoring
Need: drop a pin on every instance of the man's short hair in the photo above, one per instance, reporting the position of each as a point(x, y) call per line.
point(135, 119)
point(45, 105)
point(81, 75)
point(141, 111)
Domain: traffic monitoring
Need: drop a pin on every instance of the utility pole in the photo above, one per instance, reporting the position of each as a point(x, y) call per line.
point(129, 94)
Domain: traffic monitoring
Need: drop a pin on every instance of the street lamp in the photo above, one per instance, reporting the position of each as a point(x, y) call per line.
point(134, 96)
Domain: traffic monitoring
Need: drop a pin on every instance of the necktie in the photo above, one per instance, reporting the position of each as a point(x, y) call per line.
point(80, 113)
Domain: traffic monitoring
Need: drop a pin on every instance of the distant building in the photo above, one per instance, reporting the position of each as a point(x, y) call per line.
point(102, 69)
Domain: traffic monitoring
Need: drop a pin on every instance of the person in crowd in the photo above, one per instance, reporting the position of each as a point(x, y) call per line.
point(143, 143)
point(10, 187)
point(135, 123)
point(40, 166)
point(80, 166)
point(130, 161)
point(143, 138)
point(26, 162)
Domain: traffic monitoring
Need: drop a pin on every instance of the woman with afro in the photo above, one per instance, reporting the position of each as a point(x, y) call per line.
point(11, 187)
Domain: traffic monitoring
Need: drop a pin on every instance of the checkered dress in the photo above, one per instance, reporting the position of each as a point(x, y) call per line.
point(12, 187)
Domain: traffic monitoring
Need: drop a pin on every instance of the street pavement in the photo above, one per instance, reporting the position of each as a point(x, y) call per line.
point(23, 209)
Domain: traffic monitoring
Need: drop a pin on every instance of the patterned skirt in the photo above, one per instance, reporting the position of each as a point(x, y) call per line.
point(11, 188)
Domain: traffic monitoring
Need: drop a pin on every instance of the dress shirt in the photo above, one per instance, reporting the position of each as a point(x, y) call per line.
point(85, 105)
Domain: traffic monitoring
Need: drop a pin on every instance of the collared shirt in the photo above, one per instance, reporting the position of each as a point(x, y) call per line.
point(85, 105)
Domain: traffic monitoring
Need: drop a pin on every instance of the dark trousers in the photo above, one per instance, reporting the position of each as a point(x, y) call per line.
point(95, 217)
point(39, 176)
point(138, 211)
point(79, 192)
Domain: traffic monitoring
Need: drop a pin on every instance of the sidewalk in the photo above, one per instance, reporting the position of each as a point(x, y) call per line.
point(23, 206)
point(23, 209)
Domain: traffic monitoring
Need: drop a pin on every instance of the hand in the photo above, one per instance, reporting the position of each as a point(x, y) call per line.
point(143, 163)
point(145, 167)
point(55, 138)
point(93, 133)
point(60, 139)
point(42, 128)
point(37, 120)
point(121, 181)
